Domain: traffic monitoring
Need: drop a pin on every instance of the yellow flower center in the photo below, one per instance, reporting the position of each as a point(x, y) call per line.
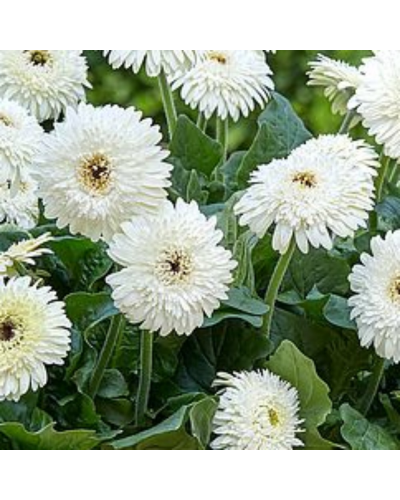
point(39, 57)
point(95, 173)
point(218, 57)
point(394, 290)
point(274, 417)
point(174, 267)
point(305, 179)
point(5, 120)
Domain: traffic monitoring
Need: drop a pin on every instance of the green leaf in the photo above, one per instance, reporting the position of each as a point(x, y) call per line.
point(281, 131)
point(49, 439)
point(194, 149)
point(293, 367)
point(389, 214)
point(201, 417)
point(362, 435)
point(337, 312)
point(113, 385)
point(10, 235)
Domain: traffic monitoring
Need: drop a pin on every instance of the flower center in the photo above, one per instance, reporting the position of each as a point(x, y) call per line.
point(274, 417)
point(174, 267)
point(95, 173)
point(218, 57)
point(305, 179)
point(39, 57)
point(394, 290)
point(7, 331)
point(5, 120)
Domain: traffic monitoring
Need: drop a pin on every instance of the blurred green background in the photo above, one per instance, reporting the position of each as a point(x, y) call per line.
point(290, 68)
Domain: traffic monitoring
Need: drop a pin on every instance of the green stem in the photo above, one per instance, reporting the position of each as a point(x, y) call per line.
point(275, 285)
point(373, 387)
point(345, 128)
point(116, 328)
point(146, 369)
point(223, 136)
point(379, 191)
point(201, 122)
point(168, 102)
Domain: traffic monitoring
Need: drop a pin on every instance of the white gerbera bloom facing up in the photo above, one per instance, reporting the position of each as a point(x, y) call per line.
point(226, 82)
point(175, 271)
point(257, 411)
point(45, 82)
point(19, 206)
point(155, 61)
point(20, 137)
point(376, 305)
point(324, 188)
point(34, 333)
point(339, 79)
point(377, 99)
point(100, 168)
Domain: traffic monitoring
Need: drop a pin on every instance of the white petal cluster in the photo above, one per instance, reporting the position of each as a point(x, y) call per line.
point(324, 188)
point(20, 138)
point(34, 333)
point(257, 411)
point(19, 205)
point(101, 167)
point(45, 82)
point(154, 61)
point(229, 83)
point(175, 270)
point(339, 79)
point(25, 252)
point(378, 99)
point(376, 303)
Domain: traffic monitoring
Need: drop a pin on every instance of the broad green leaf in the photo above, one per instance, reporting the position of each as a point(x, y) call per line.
point(113, 385)
point(337, 312)
point(362, 435)
point(281, 131)
point(195, 150)
point(10, 235)
point(293, 367)
point(389, 213)
point(201, 417)
point(49, 439)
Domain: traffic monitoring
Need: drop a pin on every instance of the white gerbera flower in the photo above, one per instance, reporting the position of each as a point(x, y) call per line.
point(25, 252)
point(339, 79)
point(45, 82)
point(257, 411)
point(20, 137)
point(175, 272)
point(100, 168)
point(226, 82)
point(34, 333)
point(376, 305)
point(324, 188)
point(154, 60)
point(377, 99)
point(19, 205)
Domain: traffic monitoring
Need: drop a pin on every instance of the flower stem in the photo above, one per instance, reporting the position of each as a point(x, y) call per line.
point(223, 136)
point(116, 328)
point(373, 387)
point(379, 190)
point(345, 128)
point(168, 102)
point(275, 285)
point(146, 369)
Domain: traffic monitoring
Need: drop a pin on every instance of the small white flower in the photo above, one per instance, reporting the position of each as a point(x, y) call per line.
point(324, 188)
point(19, 205)
point(100, 168)
point(45, 82)
point(20, 137)
point(226, 82)
point(376, 304)
point(339, 79)
point(175, 271)
point(257, 411)
point(378, 99)
point(34, 333)
point(25, 252)
point(154, 60)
